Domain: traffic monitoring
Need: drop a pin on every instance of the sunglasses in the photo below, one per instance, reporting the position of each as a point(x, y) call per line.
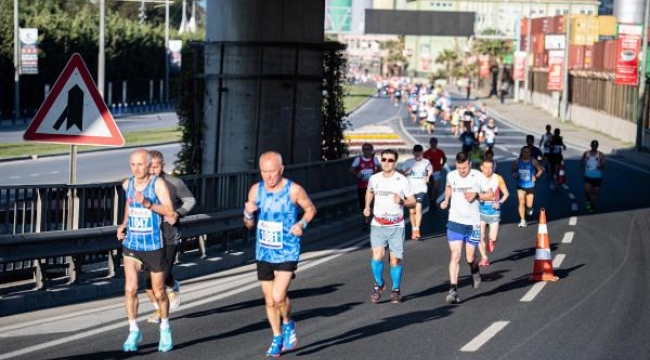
point(387, 160)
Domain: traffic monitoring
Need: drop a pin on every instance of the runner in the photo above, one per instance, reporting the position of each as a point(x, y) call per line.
point(277, 248)
point(491, 210)
point(526, 171)
point(489, 133)
point(391, 192)
point(418, 170)
point(545, 144)
point(438, 159)
point(592, 165)
point(147, 202)
point(465, 188)
point(555, 158)
point(363, 166)
point(467, 139)
point(535, 152)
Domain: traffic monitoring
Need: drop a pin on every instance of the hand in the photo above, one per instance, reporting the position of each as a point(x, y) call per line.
point(171, 220)
point(296, 229)
point(139, 197)
point(470, 196)
point(366, 211)
point(121, 232)
point(250, 207)
point(397, 199)
point(496, 205)
point(444, 204)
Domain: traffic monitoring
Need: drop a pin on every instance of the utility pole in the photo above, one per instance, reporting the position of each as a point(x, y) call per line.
point(564, 104)
point(17, 68)
point(642, 79)
point(528, 41)
point(167, 51)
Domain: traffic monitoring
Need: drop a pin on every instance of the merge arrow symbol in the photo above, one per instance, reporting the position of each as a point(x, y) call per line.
point(73, 112)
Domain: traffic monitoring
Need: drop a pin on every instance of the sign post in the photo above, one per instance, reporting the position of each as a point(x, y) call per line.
point(74, 113)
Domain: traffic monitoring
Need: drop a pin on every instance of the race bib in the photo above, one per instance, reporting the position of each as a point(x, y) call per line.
point(270, 234)
point(592, 165)
point(366, 174)
point(140, 221)
point(524, 174)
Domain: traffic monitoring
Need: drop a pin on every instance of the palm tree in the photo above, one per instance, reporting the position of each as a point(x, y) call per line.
point(449, 58)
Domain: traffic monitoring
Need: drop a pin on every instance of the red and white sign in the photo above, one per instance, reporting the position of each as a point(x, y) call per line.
point(555, 70)
point(519, 72)
point(74, 112)
point(627, 55)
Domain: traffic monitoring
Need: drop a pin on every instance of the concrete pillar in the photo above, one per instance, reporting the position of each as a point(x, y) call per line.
point(263, 74)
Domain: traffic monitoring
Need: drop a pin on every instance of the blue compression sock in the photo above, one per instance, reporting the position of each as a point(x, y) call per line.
point(377, 267)
point(396, 275)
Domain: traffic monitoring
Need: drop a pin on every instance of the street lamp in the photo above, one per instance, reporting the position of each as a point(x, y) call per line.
point(642, 79)
point(564, 105)
point(528, 41)
point(16, 65)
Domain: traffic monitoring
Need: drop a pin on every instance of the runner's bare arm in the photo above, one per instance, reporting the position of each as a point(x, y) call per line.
point(250, 208)
point(165, 208)
point(302, 199)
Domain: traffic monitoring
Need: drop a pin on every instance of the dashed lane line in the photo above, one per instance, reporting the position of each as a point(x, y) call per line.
point(571, 196)
point(537, 288)
point(573, 220)
point(484, 336)
point(568, 237)
point(574, 207)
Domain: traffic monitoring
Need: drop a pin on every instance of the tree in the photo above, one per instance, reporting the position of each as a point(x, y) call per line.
point(395, 58)
point(449, 59)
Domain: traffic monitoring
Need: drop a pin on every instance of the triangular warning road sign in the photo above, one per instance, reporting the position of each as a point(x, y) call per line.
point(74, 112)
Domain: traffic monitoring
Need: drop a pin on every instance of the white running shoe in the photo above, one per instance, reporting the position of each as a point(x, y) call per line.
point(174, 295)
point(522, 223)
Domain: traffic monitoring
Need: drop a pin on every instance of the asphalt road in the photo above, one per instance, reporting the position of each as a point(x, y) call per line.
point(597, 310)
point(92, 167)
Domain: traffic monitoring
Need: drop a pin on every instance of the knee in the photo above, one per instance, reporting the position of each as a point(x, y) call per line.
point(455, 256)
point(130, 290)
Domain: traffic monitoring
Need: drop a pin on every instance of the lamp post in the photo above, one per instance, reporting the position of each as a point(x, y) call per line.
point(166, 51)
point(528, 41)
point(16, 65)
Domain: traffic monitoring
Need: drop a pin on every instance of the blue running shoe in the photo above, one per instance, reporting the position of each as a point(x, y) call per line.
point(290, 340)
point(276, 347)
point(165, 344)
point(131, 343)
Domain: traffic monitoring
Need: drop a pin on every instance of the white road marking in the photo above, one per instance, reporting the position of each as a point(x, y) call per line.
point(568, 237)
point(484, 336)
point(557, 262)
point(34, 175)
point(565, 186)
point(573, 220)
point(571, 196)
point(574, 207)
point(536, 289)
point(505, 149)
point(515, 154)
point(15, 177)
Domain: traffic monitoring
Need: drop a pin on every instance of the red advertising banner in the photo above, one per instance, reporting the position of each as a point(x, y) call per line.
point(484, 66)
point(627, 54)
point(555, 70)
point(519, 72)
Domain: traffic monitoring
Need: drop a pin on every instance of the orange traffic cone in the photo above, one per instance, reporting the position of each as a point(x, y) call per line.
point(543, 268)
point(561, 176)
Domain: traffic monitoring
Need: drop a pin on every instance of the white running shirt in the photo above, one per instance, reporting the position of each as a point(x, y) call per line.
point(386, 211)
point(462, 211)
point(419, 172)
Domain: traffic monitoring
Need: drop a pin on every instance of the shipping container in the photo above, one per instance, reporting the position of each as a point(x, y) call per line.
point(540, 59)
point(603, 38)
point(576, 56)
point(607, 25)
point(589, 57)
point(522, 42)
point(610, 55)
point(523, 30)
point(538, 44)
point(578, 39)
point(550, 25)
point(598, 56)
point(559, 24)
point(540, 25)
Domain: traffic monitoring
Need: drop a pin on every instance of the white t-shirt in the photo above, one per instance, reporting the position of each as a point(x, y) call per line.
point(419, 171)
point(462, 211)
point(386, 211)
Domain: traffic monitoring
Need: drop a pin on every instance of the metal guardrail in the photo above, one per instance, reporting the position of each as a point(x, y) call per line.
point(36, 232)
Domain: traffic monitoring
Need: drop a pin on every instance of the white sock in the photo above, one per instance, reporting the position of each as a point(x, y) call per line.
point(133, 325)
point(164, 324)
point(155, 306)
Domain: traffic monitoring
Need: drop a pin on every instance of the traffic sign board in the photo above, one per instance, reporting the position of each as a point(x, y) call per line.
point(74, 112)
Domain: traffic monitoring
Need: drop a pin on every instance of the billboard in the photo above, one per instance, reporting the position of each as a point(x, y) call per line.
point(555, 70)
point(432, 23)
point(627, 54)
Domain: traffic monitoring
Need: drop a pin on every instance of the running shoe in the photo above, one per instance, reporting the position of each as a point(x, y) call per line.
point(484, 262)
point(415, 234)
point(174, 295)
point(165, 344)
point(522, 223)
point(529, 212)
point(290, 339)
point(155, 317)
point(476, 280)
point(276, 347)
point(452, 297)
point(376, 292)
point(490, 246)
point(131, 343)
point(395, 296)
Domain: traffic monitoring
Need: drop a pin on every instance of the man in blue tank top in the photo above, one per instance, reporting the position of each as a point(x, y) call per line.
point(147, 201)
point(526, 170)
point(277, 248)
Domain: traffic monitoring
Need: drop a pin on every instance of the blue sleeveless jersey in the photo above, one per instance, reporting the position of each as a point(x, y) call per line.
point(143, 228)
point(487, 207)
point(526, 171)
point(592, 169)
point(275, 243)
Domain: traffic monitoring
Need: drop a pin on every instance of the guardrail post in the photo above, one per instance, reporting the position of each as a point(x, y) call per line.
point(40, 277)
point(112, 262)
point(202, 250)
point(73, 269)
